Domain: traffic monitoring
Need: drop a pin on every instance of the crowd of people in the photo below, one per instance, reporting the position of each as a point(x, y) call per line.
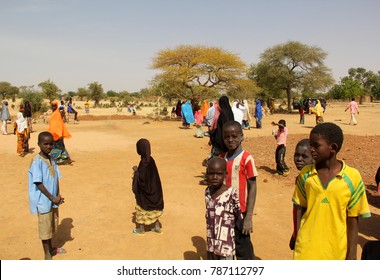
point(329, 195)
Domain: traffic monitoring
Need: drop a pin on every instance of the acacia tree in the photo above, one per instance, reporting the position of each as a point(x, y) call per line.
point(49, 89)
point(96, 92)
point(6, 89)
point(197, 69)
point(292, 66)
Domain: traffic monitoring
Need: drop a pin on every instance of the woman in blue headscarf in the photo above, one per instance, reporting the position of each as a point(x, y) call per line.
point(187, 114)
point(258, 113)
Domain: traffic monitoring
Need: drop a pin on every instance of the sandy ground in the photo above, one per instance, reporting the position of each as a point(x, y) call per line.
point(97, 217)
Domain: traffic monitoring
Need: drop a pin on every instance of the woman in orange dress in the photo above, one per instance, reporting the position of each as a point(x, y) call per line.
point(21, 129)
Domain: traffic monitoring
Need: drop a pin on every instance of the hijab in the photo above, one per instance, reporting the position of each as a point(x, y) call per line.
point(21, 123)
point(146, 180)
point(258, 110)
point(56, 125)
point(204, 108)
point(5, 112)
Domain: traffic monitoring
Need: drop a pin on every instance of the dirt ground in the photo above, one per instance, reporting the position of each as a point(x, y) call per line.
point(96, 219)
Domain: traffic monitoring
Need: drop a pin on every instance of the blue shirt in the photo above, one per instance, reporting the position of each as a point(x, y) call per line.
point(43, 171)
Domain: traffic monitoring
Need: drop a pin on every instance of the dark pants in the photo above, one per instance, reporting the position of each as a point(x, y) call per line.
point(244, 247)
point(281, 166)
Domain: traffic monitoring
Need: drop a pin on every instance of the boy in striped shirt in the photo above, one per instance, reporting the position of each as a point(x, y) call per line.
point(241, 175)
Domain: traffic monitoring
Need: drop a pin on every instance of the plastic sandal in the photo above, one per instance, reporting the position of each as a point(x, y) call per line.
point(137, 232)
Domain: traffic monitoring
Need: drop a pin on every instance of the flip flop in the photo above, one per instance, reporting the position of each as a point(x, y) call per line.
point(137, 232)
point(57, 251)
point(156, 232)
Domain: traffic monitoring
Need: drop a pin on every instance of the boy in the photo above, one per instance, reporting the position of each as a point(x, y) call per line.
point(281, 136)
point(302, 157)
point(241, 175)
point(222, 210)
point(44, 197)
point(333, 195)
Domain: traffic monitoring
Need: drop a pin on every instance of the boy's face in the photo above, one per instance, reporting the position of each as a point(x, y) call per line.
point(216, 172)
point(232, 137)
point(46, 144)
point(320, 149)
point(302, 156)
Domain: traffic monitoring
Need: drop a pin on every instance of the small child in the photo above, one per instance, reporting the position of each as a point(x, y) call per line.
point(44, 195)
point(301, 110)
point(241, 175)
point(281, 135)
point(148, 191)
point(302, 157)
point(222, 212)
point(21, 129)
point(333, 196)
point(87, 107)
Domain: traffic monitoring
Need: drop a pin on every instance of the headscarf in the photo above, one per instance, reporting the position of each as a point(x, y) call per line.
point(247, 114)
point(187, 112)
point(204, 108)
point(214, 122)
point(216, 135)
point(21, 123)
point(27, 110)
point(258, 110)
point(5, 112)
point(178, 108)
point(198, 117)
point(146, 180)
point(56, 125)
point(318, 109)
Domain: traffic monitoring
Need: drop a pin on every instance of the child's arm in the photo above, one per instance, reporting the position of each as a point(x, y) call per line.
point(56, 200)
point(352, 237)
point(251, 200)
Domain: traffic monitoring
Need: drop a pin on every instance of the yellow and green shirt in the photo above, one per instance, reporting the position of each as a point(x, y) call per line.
point(323, 230)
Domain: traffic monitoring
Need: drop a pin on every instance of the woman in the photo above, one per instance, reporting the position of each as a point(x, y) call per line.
point(258, 113)
point(318, 111)
point(247, 116)
point(187, 114)
point(204, 108)
point(22, 131)
point(59, 131)
point(5, 116)
point(148, 190)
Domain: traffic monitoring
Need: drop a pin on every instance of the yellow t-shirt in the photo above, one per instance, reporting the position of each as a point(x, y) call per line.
point(323, 230)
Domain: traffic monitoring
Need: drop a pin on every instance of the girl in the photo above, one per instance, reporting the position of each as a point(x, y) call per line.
point(5, 116)
point(148, 191)
point(21, 129)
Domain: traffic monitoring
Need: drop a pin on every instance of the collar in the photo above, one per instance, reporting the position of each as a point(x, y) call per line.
point(340, 174)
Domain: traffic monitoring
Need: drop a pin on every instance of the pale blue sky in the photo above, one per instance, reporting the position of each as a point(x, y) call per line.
point(76, 42)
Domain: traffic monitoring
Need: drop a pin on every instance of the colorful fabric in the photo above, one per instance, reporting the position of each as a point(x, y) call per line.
point(221, 214)
point(282, 135)
point(353, 106)
point(5, 112)
point(187, 112)
point(43, 171)
point(56, 126)
point(323, 230)
point(147, 217)
point(198, 117)
point(240, 168)
point(258, 110)
point(204, 108)
point(59, 152)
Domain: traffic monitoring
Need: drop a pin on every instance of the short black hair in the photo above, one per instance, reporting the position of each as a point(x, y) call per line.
point(304, 143)
point(43, 135)
point(234, 124)
point(282, 122)
point(220, 160)
point(331, 132)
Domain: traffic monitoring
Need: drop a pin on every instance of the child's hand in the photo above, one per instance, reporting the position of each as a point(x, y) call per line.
point(247, 225)
point(58, 200)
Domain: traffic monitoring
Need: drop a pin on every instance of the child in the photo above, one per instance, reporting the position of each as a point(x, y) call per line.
point(44, 195)
point(148, 190)
point(301, 110)
point(281, 135)
point(87, 107)
point(21, 129)
point(5, 116)
point(222, 210)
point(241, 175)
point(333, 196)
point(302, 157)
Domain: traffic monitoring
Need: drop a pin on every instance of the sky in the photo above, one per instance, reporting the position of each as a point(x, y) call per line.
point(77, 42)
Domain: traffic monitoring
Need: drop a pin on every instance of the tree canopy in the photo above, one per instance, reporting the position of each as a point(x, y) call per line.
point(96, 92)
point(292, 67)
point(7, 90)
point(195, 70)
point(49, 89)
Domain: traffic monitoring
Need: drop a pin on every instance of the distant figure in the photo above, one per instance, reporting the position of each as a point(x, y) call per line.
point(204, 108)
point(44, 194)
point(210, 115)
point(22, 131)
point(178, 109)
point(62, 111)
point(318, 111)
point(28, 114)
point(198, 123)
point(353, 106)
point(247, 116)
point(271, 106)
point(258, 113)
point(87, 107)
point(281, 136)
point(238, 110)
point(71, 110)
point(148, 191)
point(301, 111)
point(187, 114)
point(5, 117)
point(222, 212)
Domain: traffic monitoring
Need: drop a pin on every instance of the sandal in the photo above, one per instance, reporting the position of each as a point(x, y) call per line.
point(137, 232)
point(156, 232)
point(57, 251)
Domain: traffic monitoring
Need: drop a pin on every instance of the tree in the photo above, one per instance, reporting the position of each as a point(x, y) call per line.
point(292, 67)
point(197, 69)
point(347, 88)
point(36, 100)
point(49, 89)
point(7, 90)
point(83, 93)
point(96, 92)
point(367, 80)
point(244, 89)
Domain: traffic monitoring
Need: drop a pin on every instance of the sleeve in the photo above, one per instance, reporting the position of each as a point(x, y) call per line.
point(358, 204)
point(250, 167)
point(35, 170)
point(299, 195)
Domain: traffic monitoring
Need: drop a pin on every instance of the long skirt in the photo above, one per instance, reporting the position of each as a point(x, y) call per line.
point(59, 152)
point(147, 217)
point(22, 143)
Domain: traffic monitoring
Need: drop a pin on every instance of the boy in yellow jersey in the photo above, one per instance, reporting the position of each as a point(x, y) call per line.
point(332, 196)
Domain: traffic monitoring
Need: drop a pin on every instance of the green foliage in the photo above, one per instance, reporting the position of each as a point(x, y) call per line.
point(35, 99)
point(49, 89)
point(291, 67)
point(96, 92)
point(347, 88)
point(111, 93)
point(83, 93)
point(8, 91)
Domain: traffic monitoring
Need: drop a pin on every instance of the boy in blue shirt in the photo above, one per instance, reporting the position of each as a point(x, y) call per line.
point(44, 197)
